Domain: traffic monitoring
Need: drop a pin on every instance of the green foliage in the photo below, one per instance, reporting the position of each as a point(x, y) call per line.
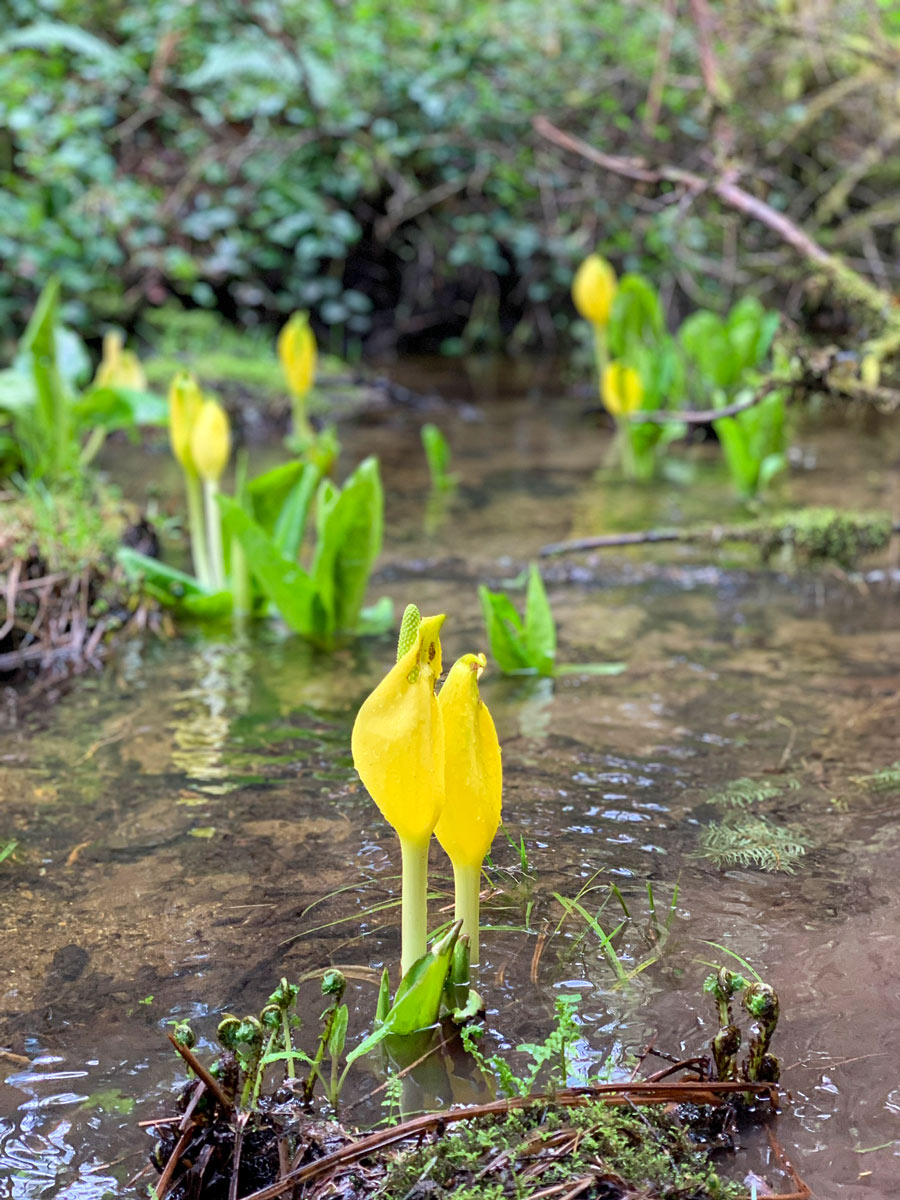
point(745, 838)
point(528, 646)
point(751, 841)
point(549, 1061)
point(324, 603)
point(885, 780)
point(49, 427)
point(645, 1150)
point(722, 355)
point(7, 849)
point(437, 454)
point(743, 793)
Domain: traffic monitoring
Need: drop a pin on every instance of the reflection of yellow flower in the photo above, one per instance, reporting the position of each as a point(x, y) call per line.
point(594, 289)
point(119, 367)
point(398, 750)
point(210, 440)
point(185, 402)
point(398, 738)
point(297, 351)
point(621, 389)
point(473, 787)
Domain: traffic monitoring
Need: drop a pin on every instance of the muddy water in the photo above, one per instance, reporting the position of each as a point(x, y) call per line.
point(190, 826)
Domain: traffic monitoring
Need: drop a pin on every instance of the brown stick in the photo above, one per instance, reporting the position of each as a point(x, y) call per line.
point(201, 1072)
point(730, 193)
point(705, 416)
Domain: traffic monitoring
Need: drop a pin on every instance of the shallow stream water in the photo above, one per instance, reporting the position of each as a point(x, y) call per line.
point(191, 827)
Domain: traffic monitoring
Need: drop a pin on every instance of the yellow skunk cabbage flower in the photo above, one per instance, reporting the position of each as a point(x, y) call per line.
point(185, 402)
point(594, 289)
point(210, 440)
point(297, 351)
point(621, 389)
point(119, 367)
point(473, 783)
point(398, 750)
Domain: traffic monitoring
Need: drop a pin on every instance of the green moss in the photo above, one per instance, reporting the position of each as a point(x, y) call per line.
point(814, 535)
point(68, 529)
point(531, 1149)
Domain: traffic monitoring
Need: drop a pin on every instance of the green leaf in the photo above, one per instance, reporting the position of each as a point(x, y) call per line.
point(268, 493)
point(120, 408)
point(283, 582)
point(51, 35)
point(540, 628)
point(417, 1003)
point(349, 533)
point(437, 454)
point(636, 318)
point(505, 632)
point(290, 524)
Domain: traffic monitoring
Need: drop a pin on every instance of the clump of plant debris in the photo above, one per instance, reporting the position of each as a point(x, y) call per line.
point(650, 1138)
point(64, 595)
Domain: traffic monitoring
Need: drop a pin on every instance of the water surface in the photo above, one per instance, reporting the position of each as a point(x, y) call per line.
point(191, 827)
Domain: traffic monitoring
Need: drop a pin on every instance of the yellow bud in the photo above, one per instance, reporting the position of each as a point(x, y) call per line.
point(119, 367)
point(185, 402)
point(398, 739)
point(594, 289)
point(473, 778)
point(297, 351)
point(210, 440)
point(621, 389)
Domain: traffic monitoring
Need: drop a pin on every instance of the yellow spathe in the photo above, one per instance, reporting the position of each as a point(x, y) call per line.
point(594, 289)
point(398, 739)
point(210, 443)
point(297, 351)
point(621, 389)
point(185, 402)
point(119, 367)
point(472, 771)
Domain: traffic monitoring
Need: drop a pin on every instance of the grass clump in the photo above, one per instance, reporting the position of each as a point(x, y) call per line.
point(618, 1152)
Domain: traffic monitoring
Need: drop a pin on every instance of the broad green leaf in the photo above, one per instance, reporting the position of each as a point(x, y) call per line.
point(120, 408)
point(290, 524)
point(505, 632)
point(743, 468)
point(636, 317)
point(417, 1003)
point(283, 582)
point(268, 492)
point(349, 533)
point(172, 587)
point(540, 628)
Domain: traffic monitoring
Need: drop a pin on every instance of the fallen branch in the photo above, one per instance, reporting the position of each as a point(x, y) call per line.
point(852, 286)
point(812, 535)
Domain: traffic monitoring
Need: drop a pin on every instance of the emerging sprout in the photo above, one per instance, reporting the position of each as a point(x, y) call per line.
point(227, 1033)
point(473, 784)
point(184, 1035)
point(725, 1047)
point(594, 289)
point(398, 750)
point(334, 984)
point(761, 1002)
